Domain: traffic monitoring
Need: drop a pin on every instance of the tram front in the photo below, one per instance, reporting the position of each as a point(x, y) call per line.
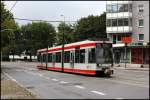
point(104, 58)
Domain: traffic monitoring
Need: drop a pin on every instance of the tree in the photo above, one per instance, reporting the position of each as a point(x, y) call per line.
point(37, 35)
point(91, 27)
point(7, 23)
point(68, 33)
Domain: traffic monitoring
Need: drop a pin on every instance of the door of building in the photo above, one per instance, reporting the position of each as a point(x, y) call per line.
point(137, 56)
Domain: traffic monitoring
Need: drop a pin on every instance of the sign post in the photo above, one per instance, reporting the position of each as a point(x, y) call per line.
point(126, 40)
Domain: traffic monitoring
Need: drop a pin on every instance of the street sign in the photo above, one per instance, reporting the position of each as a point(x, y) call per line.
point(126, 39)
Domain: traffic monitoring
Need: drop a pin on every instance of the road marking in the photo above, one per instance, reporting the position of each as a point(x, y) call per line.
point(47, 78)
point(33, 73)
point(40, 75)
point(30, 72)
point(78, 86)
point(118, 98)
point(18, 70)
point(97, 92)
point(54, 79)
point(63, 82)
point(127, 83)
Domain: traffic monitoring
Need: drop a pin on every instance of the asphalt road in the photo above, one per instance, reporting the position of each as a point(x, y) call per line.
point(123, 84)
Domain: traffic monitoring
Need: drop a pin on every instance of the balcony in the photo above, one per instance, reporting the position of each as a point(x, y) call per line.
point(119, 15)
point(118, 2)
point(123, 29)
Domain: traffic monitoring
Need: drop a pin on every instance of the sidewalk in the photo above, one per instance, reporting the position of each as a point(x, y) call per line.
point(12, 90)
point(131, 67)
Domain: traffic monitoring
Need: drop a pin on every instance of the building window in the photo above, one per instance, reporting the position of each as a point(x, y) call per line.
point(114, 8)
point(109, 8)
point(126, 22)
point(130, 7)
point(114, 38)
point(141, 23)
point(141, 8)
point(109, 22)
point(125, 6)
point(130, 22)
point(114, 22)
point(120, 8)
point(141, 37)
point(120, 22)
point(119, 38)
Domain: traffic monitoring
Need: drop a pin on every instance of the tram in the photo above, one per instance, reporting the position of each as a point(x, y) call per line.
point(85, 57)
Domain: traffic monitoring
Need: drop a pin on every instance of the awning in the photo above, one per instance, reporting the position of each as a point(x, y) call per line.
point(119, 45)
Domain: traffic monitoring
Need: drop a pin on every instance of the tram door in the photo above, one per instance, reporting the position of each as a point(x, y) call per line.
point(72, 59)
point(53, 60)
point(41, 59)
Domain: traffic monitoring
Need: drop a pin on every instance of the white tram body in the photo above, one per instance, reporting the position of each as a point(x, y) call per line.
point(84, 57)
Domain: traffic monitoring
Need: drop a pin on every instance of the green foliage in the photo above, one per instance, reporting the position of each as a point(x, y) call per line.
point(37, 35)
point(68, 33)
point(7, 23)
point(91, 27)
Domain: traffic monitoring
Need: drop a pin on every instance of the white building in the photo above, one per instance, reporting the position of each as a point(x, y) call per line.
point(129, 19)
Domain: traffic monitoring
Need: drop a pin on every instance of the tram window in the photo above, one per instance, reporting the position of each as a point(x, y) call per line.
point(38, 57)
point(77, 56)
point(44, 57)
point(58, 57)
point(82, 56)
point(91, 58)
point(49, 57)
point(41, 58)
point(54, 57)
point(66, 56)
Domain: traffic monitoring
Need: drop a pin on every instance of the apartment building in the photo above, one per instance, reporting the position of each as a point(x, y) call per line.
point(129, 19)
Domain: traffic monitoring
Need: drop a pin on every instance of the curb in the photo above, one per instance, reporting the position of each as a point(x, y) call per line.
point(31, 92)
point(139, 69)
point(133, 69)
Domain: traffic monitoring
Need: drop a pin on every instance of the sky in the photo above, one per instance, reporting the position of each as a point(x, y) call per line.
point(52, 10)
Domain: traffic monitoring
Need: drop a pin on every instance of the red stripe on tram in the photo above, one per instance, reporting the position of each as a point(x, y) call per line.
point(80, 71)
point(73, 46)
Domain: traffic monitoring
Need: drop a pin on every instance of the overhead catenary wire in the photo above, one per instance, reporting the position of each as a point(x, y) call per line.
point(41, 20)
point(13, 6)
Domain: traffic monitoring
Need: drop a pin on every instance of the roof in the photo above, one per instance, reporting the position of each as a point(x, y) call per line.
point(76, 43)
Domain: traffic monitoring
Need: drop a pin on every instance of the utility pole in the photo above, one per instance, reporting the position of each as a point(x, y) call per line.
point(125, 54)
point(1, 56)
point(63, 47)
point(126, 40)
point(47, 55)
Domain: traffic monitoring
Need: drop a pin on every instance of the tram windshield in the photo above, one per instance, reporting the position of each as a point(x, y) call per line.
point(104, 53)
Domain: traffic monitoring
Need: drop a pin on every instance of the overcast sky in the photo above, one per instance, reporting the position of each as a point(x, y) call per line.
point(51, 10)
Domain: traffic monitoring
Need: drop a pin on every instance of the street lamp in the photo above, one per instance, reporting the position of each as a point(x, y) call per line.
point(63, 46)
point(7, 30)
point(2, 31)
